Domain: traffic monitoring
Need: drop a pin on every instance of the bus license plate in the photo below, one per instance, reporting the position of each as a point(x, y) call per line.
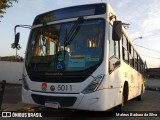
point(51, 104)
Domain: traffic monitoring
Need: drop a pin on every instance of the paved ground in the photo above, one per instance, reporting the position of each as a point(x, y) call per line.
point(12, 94)
point(12, 98)
point(152, 83)
point(150, 102)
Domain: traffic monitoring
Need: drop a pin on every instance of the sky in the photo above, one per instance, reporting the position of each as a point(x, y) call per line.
point(142, 15)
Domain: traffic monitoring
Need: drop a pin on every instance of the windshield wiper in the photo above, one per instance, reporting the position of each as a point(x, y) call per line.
point(69, 36)
point(73, 31)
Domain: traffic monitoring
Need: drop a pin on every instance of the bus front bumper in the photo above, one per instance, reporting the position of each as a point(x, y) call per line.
point(93, 102)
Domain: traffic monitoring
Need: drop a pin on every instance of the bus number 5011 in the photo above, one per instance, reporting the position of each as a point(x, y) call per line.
point(64, 87)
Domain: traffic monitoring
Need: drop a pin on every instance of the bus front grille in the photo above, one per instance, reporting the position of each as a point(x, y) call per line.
point(63, 101)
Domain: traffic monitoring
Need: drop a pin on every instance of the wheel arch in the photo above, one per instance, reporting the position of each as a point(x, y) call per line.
point(125, 91)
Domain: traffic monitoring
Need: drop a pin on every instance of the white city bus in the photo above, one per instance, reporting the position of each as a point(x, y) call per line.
point(80, 57)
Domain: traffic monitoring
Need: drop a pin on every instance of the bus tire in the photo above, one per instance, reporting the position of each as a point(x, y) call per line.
point(125, 92)
point(139, 98)
point(119, 108)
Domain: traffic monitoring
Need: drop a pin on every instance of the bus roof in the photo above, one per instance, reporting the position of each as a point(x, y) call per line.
point(71, 12)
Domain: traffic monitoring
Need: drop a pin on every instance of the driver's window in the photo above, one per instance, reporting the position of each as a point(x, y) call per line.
point(114, 56)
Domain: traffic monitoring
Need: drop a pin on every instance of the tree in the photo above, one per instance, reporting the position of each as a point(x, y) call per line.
point(4, 4)
point(14, 47)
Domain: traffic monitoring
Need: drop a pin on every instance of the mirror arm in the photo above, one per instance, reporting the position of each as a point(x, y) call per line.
point(17, 35)
point(113, 16)
point(15, 29)
point(23, 26)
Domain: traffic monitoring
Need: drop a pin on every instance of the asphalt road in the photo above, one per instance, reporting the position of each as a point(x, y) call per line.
point(150, 105)
point(150, 102)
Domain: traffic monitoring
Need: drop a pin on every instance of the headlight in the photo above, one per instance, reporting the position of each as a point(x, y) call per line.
point(93, 86)
point(24, 83)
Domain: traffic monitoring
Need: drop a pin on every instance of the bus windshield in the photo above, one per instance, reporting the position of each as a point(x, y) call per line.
point(47, 50)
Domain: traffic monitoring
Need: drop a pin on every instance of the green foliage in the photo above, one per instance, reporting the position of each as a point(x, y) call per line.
point(4, 4)
point(13, 46)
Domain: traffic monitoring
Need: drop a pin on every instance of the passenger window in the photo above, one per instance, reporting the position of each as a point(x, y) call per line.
point(131, 55)
point(139, 64)
point(125, 49)
point(136, 61)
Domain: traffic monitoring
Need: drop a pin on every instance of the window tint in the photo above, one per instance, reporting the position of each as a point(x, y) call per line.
point(140, 65)
point(124, 49)
point(143, 68)
point(131, 55)
point(136, 61)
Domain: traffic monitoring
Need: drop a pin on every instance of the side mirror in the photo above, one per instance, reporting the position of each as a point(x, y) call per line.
point(17, 39)
point(117, 30)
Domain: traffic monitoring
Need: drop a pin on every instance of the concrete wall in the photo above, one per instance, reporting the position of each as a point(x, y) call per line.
point(11, 71)
point(152, 83)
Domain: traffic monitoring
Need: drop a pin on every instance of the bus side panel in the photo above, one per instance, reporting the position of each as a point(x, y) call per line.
point(133, 78)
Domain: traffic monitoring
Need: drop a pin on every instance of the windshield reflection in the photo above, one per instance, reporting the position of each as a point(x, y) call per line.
point(47, 51)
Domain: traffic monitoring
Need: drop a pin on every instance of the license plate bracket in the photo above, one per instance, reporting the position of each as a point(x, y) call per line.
point(51, 104)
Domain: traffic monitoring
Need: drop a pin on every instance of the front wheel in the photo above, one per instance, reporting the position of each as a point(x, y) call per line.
point(119, 108)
